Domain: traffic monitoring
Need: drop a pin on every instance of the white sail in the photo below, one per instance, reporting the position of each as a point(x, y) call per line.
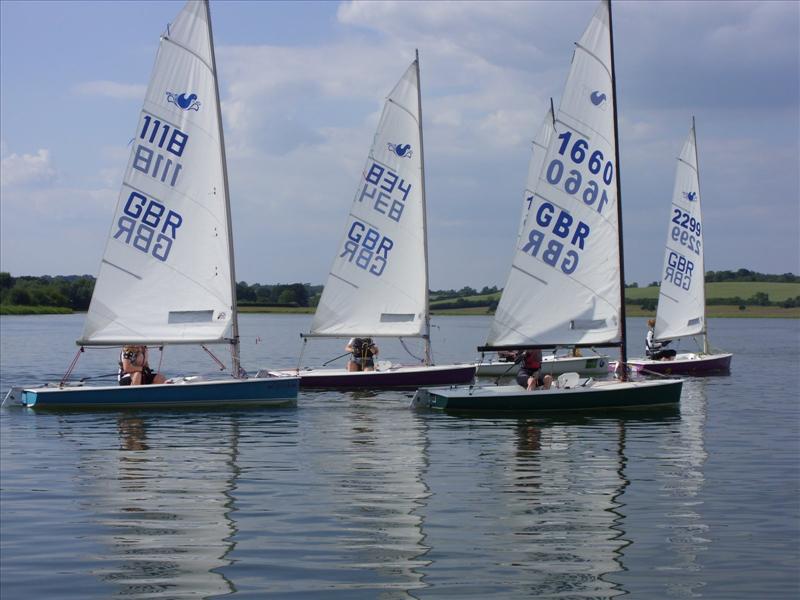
point(538, 154)
point(564, 285)
point(378, 283)
point(681, 298)
point(166, 271)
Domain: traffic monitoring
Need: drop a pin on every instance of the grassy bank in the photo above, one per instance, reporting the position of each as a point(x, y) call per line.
point(777, 292)
point(12, 309)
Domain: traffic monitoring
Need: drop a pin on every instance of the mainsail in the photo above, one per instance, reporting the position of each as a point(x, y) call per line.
point(166, 274)
point(681, 297)
point(377, 285)
point(564, 285)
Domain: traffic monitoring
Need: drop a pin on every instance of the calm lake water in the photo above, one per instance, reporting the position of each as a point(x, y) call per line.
point(353, 495)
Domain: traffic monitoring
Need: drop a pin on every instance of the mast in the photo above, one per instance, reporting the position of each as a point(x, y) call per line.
point(235, 363)
point(623, 352)
point(427, 336)
point(699, 195)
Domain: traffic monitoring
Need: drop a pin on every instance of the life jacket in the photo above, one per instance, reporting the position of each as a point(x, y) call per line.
point(532, 360)
point(362, 348)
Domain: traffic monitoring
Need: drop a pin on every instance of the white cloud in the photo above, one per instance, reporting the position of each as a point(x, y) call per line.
point(111, 89)
point(26, 168)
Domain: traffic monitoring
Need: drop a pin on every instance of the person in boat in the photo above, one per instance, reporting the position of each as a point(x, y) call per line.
point(134, 368)
point(656, 350)
point(507, 355)
point(363, 352)
point(530, 374)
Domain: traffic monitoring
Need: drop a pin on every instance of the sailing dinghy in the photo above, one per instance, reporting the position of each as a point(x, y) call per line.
point(681, 310)
point(566, 282)
point(552, 364)
point(167, 274)
point(378, 285)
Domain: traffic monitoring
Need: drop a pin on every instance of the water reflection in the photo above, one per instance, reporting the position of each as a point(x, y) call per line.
point(160, 499)
point(377, 493)
point(537, 506)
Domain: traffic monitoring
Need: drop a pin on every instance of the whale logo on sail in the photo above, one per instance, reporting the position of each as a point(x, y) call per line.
point(184, 101)
point(401, 150)
point(597, 97)
point(690, 196)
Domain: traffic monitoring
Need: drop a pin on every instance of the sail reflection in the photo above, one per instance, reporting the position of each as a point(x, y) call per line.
point(375, 490)
point(161, 503)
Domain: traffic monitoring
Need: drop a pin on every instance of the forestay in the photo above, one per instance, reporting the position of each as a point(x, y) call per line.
point(681, 298)
point(377, 285)
point(564, 285)
point(166, 271)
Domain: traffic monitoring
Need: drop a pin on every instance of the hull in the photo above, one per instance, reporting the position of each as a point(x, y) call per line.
point(391, 378)
point(585, 365)
point(269, 392)
point(684, 364)
point(602, 395)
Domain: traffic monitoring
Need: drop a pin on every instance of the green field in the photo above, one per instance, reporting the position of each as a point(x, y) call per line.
point(777, 292)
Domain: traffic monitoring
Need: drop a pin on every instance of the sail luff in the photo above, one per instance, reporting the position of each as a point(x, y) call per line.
point(623, 351)
point(235, 359)
point(427, 316)
point(706, 348)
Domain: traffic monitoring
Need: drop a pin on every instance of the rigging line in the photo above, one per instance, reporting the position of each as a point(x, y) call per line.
point(302, 351)
point(160, 358)
point(403, 344)
point(71, 367)
point(222, 366)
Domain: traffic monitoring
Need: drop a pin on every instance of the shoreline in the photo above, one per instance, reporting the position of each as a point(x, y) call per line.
point(719, 311)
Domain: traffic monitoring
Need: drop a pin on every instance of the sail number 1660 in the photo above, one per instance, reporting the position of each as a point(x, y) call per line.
point(589, 190)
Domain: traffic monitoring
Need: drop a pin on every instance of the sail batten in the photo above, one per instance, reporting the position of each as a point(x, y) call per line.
point(169, 250)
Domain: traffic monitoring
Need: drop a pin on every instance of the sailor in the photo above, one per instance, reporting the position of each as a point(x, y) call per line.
point(530, 376)
point(656, 350)
point(363, 352)
point(134, 368)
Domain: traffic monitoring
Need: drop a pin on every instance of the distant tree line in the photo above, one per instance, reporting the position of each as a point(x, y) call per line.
point(71, 291)
point(465, 291)
point(75, 292)
point(747, 275)
point(291, 294)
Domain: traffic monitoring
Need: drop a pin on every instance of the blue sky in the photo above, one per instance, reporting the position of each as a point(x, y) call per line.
point(302, 86)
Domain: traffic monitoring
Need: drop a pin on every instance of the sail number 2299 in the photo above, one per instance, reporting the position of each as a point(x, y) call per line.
point(685, 229)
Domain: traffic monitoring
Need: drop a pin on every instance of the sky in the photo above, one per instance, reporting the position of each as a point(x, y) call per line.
point(302, 86)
